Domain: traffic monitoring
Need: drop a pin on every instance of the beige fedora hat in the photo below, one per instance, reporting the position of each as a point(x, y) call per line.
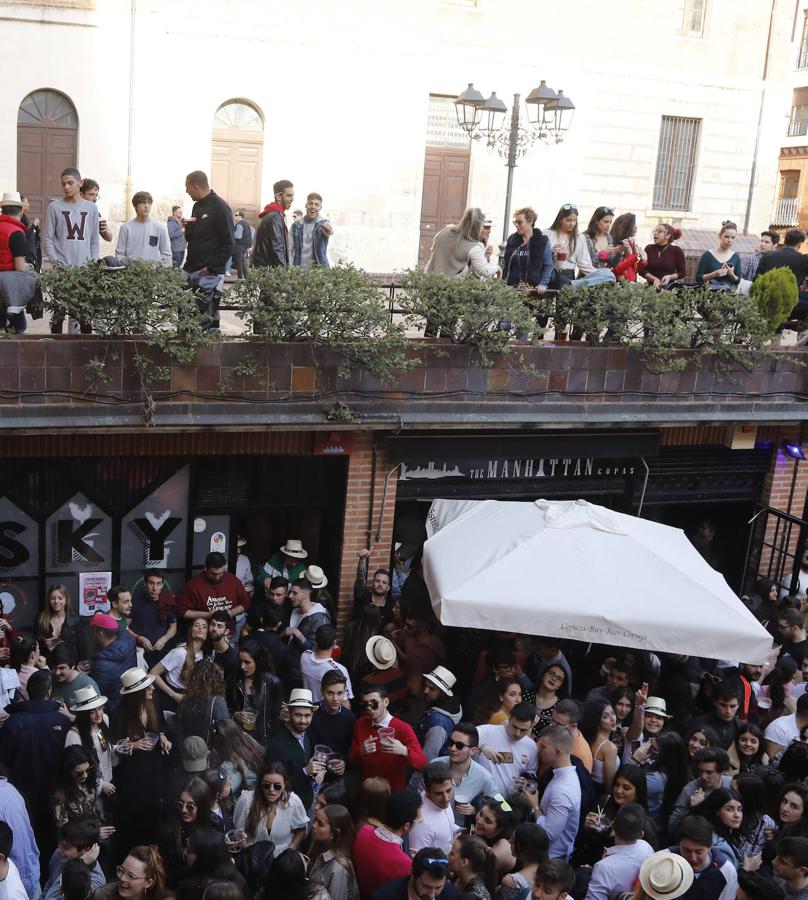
point(315, 577)
point(381, 651)
point(87, 698)
point(666, 875)
point(135, 679)
point(301, 697)
point(657, 707)
point(294, 548)
point(11, 198)
point(443, 679)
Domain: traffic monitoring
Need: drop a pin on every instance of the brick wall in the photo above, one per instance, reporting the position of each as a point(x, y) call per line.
point(356, 533)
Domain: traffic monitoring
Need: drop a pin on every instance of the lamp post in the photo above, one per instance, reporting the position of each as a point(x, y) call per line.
point(548, 114)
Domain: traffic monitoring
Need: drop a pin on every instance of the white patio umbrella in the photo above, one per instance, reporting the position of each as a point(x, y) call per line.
point(571, 569)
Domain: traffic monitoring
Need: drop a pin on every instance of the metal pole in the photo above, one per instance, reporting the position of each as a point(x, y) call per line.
point(512, 143)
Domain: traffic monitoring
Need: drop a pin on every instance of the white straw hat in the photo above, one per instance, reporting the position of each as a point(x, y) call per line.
point(656, 706)
point(381, 651)
point(11, 198)
point(666, 875)
point(87, 698)
point(443, 679)
point(294, 548)
point(301, 697)
point(135, 679)
point(315, 577)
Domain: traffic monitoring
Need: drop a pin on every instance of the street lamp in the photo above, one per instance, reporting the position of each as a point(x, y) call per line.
point(549, 116)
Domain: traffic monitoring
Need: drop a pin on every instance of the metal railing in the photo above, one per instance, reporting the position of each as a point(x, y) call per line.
point(786, 212)
point(798, 122)
point(774, 550)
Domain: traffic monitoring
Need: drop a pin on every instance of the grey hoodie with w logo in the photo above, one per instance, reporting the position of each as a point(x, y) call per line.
point(71, 232)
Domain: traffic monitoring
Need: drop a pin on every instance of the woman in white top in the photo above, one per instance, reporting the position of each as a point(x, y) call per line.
point(597, 724)
point(569, 248)
point(272, 812)
point(91, 731)
point(177, 664)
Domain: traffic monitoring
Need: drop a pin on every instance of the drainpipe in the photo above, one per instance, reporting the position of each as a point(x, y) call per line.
point(132, 24)
point(373, 462)
point(753, 173)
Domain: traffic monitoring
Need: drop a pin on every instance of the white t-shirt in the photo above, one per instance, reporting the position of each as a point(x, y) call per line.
point(783, 731)
point(11, 887)
point(313, 669)
point(523, 752)
point(173, 662)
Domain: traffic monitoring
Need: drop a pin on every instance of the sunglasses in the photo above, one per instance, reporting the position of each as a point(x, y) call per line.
point(607, 211)
point(457, 744)
point(502, 802)
point(436, 861)
point(567, 207)
point(369, 704)
point(188, 807)
point(272, 785)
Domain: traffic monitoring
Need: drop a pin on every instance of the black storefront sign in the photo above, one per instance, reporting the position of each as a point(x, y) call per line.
point(518, 466)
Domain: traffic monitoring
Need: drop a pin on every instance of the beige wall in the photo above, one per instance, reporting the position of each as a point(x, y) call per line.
point(344, 91)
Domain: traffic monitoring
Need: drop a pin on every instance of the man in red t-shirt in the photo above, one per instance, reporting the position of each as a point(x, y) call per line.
point(213, 589)
point(382, 745)
point(377, 853)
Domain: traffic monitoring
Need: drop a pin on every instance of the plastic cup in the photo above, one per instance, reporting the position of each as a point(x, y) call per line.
point(561, 255)
point(333, 761)
point(152, 738)
point(123, 748)
point(386, 734)
point(84, 665)
point(764, 703)
point(603, 823)
point(461, 798)
point(234, 839)
point(322, 753)
point(248, 720)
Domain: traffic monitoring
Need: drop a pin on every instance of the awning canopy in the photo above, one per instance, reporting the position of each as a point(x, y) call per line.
point(570, 569)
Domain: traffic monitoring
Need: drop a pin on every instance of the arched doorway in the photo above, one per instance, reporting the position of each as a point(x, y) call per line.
point(47, 141)
point(237, 156)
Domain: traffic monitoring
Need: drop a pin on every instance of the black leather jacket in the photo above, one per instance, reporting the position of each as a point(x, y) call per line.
point(272, 241)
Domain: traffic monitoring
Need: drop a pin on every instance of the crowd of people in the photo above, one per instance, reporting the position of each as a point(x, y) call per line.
point(214, 740)
point(207, 245)
point(214, 239)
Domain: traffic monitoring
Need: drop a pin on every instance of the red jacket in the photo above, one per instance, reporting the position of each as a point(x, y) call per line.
point(8, 225)
point(386, 765)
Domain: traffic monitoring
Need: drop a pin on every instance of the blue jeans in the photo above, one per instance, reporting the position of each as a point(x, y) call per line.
point(177, 256)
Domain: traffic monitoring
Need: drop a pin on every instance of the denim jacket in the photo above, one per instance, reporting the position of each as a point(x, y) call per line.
point(319, 244)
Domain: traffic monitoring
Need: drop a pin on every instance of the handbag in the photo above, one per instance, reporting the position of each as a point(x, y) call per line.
point(254, 862)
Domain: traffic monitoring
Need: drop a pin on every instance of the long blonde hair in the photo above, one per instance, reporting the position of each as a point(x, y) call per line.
point(471, 225)
point(44, 621)
point(190, 653)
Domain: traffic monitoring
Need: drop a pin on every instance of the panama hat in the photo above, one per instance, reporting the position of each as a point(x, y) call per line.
point(315, 577)
point(656, 706)
point(301, 697)
point(87, 698)
point(381, 651)
point(666, 875)
point(294, 548)
point(443, 679)
point(11, 198)
point(135, 679)
point(242, 541)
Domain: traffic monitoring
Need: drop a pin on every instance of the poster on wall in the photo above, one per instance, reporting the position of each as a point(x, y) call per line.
point(93, 590)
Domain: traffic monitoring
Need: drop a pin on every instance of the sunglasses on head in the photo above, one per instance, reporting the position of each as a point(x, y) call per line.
point(370, 704)
point(567, 207)
point(458, 744)
point(502, 803)
point(607, 211)
point(436, 861)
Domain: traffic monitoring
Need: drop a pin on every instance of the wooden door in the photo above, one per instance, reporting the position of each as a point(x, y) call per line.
point(445, 191)
point(236, 173)
point(47, 132)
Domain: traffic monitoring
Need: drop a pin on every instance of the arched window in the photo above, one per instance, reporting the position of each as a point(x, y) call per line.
point(238, 114)
point(237, 155)
point(47, 143)
point(47, 107)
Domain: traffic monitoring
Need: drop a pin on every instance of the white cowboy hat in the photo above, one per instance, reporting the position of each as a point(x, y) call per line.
point(381, 651)
point(11, 198)
point(301, 697)
point(443, 679)
point(315, 577)
point(666, 875)
point(294, 548)
point(87, 698)
point(656, 706)
point(135, 679)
